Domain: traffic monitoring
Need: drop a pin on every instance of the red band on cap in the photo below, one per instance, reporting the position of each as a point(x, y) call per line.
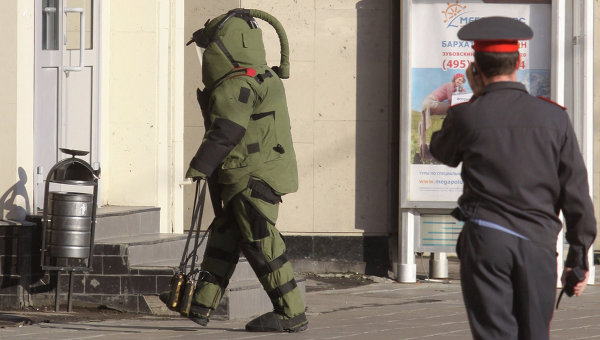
point(496, 46)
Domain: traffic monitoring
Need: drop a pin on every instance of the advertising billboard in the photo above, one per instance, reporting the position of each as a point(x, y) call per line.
point(438, 60)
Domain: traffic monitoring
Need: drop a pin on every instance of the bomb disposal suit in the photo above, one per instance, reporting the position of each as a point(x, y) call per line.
point(247, 149)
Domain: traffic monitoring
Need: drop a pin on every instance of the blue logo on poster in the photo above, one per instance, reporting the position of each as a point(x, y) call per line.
point(456, 16)
point(453, 12)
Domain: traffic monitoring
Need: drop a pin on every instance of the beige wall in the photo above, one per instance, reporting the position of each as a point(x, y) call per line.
point(16, 109)
point(142, 107)
point(340, 104)
point(339, 100)
point(8, 105)
point(132, 111)
point(133, 104)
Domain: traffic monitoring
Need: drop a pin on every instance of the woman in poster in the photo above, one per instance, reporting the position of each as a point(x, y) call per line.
point(437, 103)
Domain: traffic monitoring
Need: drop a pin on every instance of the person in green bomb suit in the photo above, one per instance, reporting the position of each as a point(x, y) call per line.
point(247, 150)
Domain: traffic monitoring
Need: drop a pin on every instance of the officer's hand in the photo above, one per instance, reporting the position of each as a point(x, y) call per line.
point(580, 286)
point(475, 80)
point(194, 174)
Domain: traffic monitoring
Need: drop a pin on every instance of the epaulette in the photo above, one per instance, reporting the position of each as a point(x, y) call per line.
point(553, 102)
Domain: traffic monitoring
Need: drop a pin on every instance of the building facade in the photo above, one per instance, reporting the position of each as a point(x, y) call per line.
point(133, 105)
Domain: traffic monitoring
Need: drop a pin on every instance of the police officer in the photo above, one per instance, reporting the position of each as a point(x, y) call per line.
point(247, 150)
point(521, 166)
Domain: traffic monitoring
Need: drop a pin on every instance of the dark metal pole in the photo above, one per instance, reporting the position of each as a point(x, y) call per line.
point(56, 298)
point(70, 304)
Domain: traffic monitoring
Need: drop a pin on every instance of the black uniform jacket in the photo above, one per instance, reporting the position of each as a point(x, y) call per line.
point(521, 165)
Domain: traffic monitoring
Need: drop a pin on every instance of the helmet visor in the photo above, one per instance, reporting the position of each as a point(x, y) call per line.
point(200, 38)
point(200, 53)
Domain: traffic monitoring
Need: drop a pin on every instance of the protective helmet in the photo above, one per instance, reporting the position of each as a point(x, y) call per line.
point(234, 40)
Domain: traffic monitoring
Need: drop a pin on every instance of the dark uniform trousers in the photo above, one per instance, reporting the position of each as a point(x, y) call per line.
point(508, 284)
point(249, 225)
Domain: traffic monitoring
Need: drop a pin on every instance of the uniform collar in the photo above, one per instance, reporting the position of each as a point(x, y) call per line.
point(504, 85)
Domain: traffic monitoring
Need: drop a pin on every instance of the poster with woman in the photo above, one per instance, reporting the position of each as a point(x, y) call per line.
point(438, 62)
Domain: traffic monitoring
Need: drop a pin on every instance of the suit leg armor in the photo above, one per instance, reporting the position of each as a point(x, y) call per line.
point(264, 249)
point(219, 262)
point(252, 228)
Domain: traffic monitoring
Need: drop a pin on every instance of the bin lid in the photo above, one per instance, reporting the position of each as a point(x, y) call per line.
point(73, 169)
point(74, 152)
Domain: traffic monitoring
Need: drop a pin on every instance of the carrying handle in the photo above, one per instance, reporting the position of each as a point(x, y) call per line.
point(81, 12)
point(196, 220)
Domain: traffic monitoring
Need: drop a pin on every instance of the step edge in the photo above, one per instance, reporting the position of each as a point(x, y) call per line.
point(134, 210)
point(114, 240)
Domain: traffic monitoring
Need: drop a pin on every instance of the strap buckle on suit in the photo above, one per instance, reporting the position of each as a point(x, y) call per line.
point(282, 290)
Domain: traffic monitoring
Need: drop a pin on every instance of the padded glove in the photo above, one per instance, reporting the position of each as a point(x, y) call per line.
point(194, 174)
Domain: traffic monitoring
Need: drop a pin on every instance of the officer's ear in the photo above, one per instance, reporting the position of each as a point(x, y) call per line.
point(518, 61)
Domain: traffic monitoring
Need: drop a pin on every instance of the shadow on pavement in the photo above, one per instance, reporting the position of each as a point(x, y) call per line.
point(132, 329)
point(12, 320)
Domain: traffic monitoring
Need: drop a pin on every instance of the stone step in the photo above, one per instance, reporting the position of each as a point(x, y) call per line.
point(126, 221)
point(157, 307)
point(154, 250)
point(119, 221)
point(165, 250)
point(243, 270)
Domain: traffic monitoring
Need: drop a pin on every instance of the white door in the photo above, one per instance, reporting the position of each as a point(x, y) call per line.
point(66, 84)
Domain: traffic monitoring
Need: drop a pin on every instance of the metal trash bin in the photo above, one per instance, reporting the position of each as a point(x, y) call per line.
point(69, 224)
point(69, 219)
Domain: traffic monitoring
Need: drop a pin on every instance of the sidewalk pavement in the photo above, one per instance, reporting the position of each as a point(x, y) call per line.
point(385, 310)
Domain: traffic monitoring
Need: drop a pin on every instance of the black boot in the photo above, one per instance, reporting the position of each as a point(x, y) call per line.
point(164, 296)
point(198, 314)
point(274, 322)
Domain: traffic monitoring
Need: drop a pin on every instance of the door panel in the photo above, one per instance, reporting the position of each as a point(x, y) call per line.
point(46, 122)
point(66, 86)
point(76, 122)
